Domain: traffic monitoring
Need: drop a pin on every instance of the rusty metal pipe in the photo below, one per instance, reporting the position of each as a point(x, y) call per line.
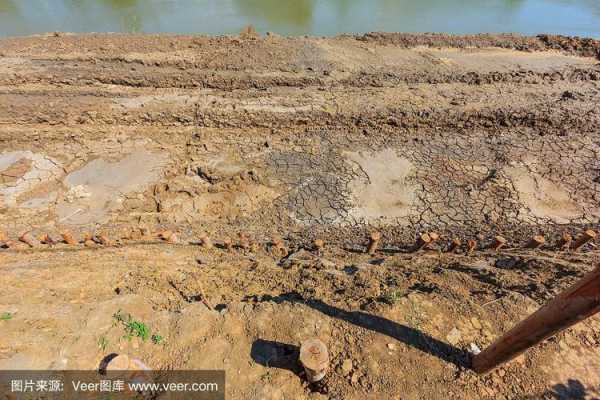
point(575, 304)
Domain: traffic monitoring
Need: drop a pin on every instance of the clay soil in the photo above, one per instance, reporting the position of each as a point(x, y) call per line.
point(125, 137)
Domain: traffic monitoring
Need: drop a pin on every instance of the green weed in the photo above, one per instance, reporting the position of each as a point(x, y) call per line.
point(5, 316)
point(134, 328)
point(392, 297)
point(103, 343)
point(157, 339)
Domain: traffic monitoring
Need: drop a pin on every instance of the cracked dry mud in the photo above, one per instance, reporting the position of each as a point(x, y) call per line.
point(300, 138)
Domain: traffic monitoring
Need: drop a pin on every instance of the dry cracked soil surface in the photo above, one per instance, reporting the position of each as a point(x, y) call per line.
point(124, 137)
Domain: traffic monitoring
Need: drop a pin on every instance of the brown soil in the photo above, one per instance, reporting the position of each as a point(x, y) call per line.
point(300, 138)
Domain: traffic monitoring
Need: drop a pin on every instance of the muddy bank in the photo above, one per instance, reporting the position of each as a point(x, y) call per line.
point(299, 138)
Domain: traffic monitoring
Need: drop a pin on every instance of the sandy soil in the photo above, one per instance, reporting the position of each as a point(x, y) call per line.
point(299, 138)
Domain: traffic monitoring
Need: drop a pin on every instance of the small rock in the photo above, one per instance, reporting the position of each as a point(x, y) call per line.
point(347, 366)
point(474, 349)
point(327, 263)
point(454, 336)
point(300, 258)
point(77, 192)
point(391, 346)
point(563, 345)
point(354, 378)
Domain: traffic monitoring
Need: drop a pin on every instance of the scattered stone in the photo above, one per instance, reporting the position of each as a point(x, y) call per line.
point(76, 193)
point(205, 241)
point(319, 244)
point(563, 345)
point(244, 242)
point(300, 258)
point(391, 346)
point(454, 336)
point(474, 349)
point(278, 248)
point(346, 366)
point(165, 235)
point(145, 232)
point(173, 239)
point(325, 263)
point(228, 244)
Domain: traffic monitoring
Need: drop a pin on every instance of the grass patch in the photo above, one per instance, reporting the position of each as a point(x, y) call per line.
point(157, 339)
point(6, 316)
point(134, 328)
point(102, 343)
point(392, 297)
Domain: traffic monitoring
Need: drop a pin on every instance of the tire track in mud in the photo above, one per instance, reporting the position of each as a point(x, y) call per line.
point(467, 122)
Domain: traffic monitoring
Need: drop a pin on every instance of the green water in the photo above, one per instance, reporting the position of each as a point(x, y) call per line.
point(300, 17)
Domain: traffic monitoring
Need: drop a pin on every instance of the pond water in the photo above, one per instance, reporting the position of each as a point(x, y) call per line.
point(301, 17)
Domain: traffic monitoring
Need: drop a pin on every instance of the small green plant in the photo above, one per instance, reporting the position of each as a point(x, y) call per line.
point(5, 316)
point(138, 329)
point(102, 343)
point(413, 318)
point(157, 339)
point(135, 328)
point(392, 297)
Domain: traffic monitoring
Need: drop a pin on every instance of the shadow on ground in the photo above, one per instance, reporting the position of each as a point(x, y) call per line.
point(407, 335)
point(573, 389)
point(273, 354)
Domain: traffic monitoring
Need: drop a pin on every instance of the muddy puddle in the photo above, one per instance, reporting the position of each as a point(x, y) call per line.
point(388, 193)
point(98, 188)
point(37, 183)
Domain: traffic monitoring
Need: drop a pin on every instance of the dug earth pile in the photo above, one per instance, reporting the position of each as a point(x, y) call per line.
point(146, 149)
